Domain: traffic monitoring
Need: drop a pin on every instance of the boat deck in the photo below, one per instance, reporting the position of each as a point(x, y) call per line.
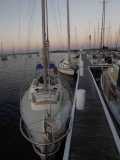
point(91, 137)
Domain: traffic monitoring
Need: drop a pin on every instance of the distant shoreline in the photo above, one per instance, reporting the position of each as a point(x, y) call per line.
point(35, 52)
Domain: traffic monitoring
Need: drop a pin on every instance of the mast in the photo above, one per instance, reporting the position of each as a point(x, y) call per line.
point(76, 36)
point(98, 35)
point(68, 30)
point(119, 36)
point(103, 25)
point(89, 38)
point(45, 40)
point(1, 47)
point(94, 43)
point(89, 41)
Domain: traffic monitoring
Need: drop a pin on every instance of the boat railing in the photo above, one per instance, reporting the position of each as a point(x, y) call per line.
point(37, 146)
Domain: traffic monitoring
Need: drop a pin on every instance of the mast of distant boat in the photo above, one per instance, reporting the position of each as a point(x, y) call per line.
point(103, 26)
point(1, 47)
point(68, 31)
point(45, 40)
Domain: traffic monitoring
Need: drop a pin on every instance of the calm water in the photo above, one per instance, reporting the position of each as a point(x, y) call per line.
point(15, 75)
point(18, 72)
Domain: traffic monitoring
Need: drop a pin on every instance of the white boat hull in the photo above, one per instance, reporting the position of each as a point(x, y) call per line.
point(34, 120)
point(113, 104)
point(66, 71)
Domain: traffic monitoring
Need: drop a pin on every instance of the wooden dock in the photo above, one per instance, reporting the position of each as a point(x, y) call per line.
point(91, 137)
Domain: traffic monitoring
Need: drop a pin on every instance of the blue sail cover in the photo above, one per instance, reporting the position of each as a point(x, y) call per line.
point(52, 66)
point(39, 67)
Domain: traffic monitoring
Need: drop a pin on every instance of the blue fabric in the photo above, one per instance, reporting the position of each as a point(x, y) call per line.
point(39, 66)
point(52, 66)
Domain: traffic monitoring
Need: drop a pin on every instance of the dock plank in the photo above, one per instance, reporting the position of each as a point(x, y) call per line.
point(91, 138)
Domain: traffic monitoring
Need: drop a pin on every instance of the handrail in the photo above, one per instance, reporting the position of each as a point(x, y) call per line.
point(29, 139)
point(108, 117)
point(68, 140)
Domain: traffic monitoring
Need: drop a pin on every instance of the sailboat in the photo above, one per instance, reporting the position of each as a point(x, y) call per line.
point(3, 56)
point(103, 57)
point(110, 84)
point(68, 65)
point(46, 105)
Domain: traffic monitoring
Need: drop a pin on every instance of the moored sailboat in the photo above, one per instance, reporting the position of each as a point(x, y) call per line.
point(3, 55)
point(103, 56)
point(46, 105)
point(110, 84)
point(69, 64)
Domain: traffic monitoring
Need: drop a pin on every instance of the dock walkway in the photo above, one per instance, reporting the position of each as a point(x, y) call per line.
point(91, 137)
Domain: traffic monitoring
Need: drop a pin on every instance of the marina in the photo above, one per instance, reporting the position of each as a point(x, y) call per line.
point(91, 136)
point(10, 94)
point(59, 80)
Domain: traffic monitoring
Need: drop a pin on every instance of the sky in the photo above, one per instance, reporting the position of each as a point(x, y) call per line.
point(20, 23)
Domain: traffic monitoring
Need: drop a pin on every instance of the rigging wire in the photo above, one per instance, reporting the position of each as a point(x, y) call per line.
point(59, 14)
point(20, 6)
point(58, 26)
point(60, 21)
point(56, 21)
point(20, 10)
point(31, 9)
